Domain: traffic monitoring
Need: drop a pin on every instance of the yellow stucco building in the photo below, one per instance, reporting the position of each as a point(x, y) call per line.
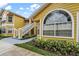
point(59, 21)
point(11, 22)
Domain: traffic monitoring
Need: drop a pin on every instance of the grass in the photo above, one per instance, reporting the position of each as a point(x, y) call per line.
point(29, 46)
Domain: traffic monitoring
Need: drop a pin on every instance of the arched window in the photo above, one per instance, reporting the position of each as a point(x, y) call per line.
point(58, 23)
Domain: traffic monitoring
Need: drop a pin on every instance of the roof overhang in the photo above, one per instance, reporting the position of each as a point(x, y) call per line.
point(38, 10)
point(15, 14)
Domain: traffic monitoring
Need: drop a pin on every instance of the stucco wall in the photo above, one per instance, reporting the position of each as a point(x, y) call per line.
point(18, 22)
point(72, 8)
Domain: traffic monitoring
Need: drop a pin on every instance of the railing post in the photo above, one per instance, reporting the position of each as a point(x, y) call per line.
point(19, 33)
point(41, 30)
point(14, 33)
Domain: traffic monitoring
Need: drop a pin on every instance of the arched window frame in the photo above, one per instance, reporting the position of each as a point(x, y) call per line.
point(72, 19)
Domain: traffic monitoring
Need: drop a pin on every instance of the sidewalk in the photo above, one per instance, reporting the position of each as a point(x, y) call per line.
point(7, 49)
point(17, 51)
point(15, 40)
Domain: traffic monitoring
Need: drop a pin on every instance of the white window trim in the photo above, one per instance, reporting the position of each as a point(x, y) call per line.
point(57, 36)
point(7, 24)
point(71, 19)
point(77, 27)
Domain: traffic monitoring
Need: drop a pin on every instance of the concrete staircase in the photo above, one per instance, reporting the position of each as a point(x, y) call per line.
point(24, 30)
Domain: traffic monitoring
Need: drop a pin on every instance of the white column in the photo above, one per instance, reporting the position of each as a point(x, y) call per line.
point(19, 33)
point(38, 28)
point(14, 33)
point(41, 29)
point(77, 27)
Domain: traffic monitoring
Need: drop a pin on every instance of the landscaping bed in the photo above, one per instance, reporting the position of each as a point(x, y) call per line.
point(52, 47)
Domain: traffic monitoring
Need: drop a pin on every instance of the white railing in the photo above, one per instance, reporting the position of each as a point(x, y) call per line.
point(26, 28)
point(22, 31)
point(15, 32)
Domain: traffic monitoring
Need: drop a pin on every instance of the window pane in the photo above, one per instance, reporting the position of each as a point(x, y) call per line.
point(64, 29)
point(48, 32)
point(65, 33)
point(9, 18)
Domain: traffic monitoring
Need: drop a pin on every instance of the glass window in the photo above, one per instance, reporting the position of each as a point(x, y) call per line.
point(58, 23)
point(9, 18)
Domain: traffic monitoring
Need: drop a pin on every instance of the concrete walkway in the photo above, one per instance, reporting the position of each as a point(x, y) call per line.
point(17, 51)
point(4, 47)
point(15, 40)
point(7, 49)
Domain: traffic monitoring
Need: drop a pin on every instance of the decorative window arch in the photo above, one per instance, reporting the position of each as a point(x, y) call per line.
point(58, 22)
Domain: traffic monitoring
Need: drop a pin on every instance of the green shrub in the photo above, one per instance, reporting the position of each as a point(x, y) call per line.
point(3, 36)
point(27, 36)
point(61, 47)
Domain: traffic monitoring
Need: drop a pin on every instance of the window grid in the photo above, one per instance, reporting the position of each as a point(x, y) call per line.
point(58, 32)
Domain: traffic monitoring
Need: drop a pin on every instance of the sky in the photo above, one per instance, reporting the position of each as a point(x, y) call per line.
point(23, 9)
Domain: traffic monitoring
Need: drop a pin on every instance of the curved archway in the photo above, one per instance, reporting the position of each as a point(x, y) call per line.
point(58, 22)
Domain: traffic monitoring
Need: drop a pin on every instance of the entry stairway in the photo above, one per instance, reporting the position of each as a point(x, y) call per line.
point(22, 31)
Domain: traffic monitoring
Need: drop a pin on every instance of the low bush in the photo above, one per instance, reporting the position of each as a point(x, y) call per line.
point(3, 36)
point(60, 47)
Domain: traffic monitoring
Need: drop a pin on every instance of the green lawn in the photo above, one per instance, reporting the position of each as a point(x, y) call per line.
point(29, 46)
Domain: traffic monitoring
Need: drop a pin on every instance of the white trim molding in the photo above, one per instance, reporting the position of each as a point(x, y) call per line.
point(58, 37)
point(72, 19)
point(77, 27)
point(7, 24)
